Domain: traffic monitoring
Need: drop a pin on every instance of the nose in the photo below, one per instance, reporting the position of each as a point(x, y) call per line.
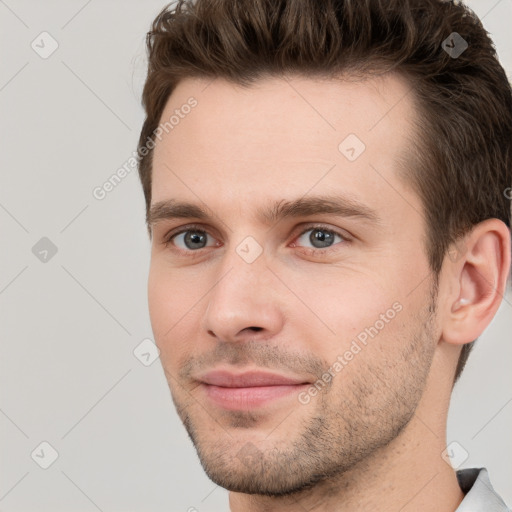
point(243, 305)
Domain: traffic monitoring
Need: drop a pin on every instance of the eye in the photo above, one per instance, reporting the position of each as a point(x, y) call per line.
point(315, 240)
point(320, 238)
point(191, 239)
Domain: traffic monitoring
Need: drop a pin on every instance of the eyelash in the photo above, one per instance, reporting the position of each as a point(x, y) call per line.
point(309, 251)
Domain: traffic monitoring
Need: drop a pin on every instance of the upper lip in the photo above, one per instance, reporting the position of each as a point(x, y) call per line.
point(248, 379)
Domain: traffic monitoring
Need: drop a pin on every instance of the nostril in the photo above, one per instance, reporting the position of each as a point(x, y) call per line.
point(256, 328)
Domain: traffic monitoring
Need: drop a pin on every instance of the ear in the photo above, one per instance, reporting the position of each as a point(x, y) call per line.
point(476, 275)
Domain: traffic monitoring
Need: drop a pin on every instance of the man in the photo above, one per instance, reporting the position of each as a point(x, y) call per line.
point(326, 190)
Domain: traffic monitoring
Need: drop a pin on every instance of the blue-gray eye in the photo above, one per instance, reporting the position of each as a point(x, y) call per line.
point(191, 239)
point(319, 237)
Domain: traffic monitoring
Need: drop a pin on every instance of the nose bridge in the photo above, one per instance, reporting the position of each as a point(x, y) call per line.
point(244, 266)
point(240, 278)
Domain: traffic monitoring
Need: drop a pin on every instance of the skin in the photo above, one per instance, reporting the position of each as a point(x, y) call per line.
point(374, 436)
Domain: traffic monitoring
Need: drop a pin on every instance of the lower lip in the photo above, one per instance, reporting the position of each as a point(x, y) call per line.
point(236, 399)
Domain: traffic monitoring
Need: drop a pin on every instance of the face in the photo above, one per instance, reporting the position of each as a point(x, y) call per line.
point(289, 290)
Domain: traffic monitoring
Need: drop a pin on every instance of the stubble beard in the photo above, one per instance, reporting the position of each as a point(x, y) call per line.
point(368, 409)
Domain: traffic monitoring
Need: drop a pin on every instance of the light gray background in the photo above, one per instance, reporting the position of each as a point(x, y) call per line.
point(69, 326)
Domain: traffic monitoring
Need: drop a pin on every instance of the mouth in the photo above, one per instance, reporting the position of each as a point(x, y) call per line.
point(248, 390)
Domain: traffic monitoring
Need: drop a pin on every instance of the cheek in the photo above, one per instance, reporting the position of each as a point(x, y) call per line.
point(343, 304)
point(159, 301)
point(171, 302)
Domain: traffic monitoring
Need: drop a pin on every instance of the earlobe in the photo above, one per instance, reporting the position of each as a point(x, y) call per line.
point(479, 277)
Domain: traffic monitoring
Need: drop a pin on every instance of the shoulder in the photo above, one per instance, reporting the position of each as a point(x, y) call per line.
point(479, 493)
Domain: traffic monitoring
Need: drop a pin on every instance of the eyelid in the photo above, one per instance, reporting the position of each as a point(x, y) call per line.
point(182, 229)
point(318, 225)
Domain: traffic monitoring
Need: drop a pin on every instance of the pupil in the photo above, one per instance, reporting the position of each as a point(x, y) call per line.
point(193, 238)
point(321, 238)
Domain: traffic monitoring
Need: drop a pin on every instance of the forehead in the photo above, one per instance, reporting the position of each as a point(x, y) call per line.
point(283, 135)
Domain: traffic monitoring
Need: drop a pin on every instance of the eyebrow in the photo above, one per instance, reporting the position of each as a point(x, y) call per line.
point(302, 207)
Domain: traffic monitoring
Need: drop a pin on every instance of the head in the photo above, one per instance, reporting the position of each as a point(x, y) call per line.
point(346, 178)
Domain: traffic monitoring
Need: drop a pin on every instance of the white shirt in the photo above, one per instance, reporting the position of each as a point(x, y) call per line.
point(480, 495)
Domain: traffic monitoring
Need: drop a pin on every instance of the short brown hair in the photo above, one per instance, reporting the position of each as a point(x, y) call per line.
point(460, 161)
